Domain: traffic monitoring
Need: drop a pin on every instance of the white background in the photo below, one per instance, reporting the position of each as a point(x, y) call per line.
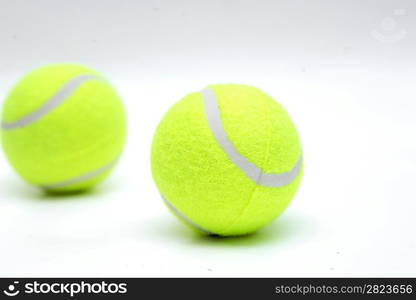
point(345, 71)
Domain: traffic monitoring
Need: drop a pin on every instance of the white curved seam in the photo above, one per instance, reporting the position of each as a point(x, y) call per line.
point(81, 178)
point(66, 90)
point(184, 218)
point(254, 173)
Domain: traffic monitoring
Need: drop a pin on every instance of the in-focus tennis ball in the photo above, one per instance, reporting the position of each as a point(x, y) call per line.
point(63, 127)
point(227, 160)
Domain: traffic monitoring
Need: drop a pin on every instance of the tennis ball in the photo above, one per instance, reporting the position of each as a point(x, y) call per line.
point(227, 160)
point(63, 128)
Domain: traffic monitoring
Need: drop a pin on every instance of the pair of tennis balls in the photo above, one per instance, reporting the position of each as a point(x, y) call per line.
point(227, 160)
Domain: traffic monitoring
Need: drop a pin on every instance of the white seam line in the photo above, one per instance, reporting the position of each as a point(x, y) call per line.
point(81, 178)
point(254, 173)
point(66, 90)
point(184, 218)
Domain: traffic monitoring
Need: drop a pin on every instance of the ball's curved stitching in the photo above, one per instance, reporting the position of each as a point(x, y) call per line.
point(184, 218)
point(255, 188)
point(66, 90)
point(254, 173)
point(81, 178)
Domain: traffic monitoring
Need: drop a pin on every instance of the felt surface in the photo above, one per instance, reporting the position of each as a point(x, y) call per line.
point(196, 176)
point(84, 133)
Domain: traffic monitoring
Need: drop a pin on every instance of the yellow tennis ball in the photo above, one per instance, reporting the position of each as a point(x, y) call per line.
point(227, 160)
point(63, 127)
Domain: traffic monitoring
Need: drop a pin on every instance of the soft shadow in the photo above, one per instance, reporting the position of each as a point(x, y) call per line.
point(14, 189)
point(45, 195)
point(281, 231)
point(277, 232)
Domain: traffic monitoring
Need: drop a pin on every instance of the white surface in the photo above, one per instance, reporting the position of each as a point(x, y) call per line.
point(351, 93)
